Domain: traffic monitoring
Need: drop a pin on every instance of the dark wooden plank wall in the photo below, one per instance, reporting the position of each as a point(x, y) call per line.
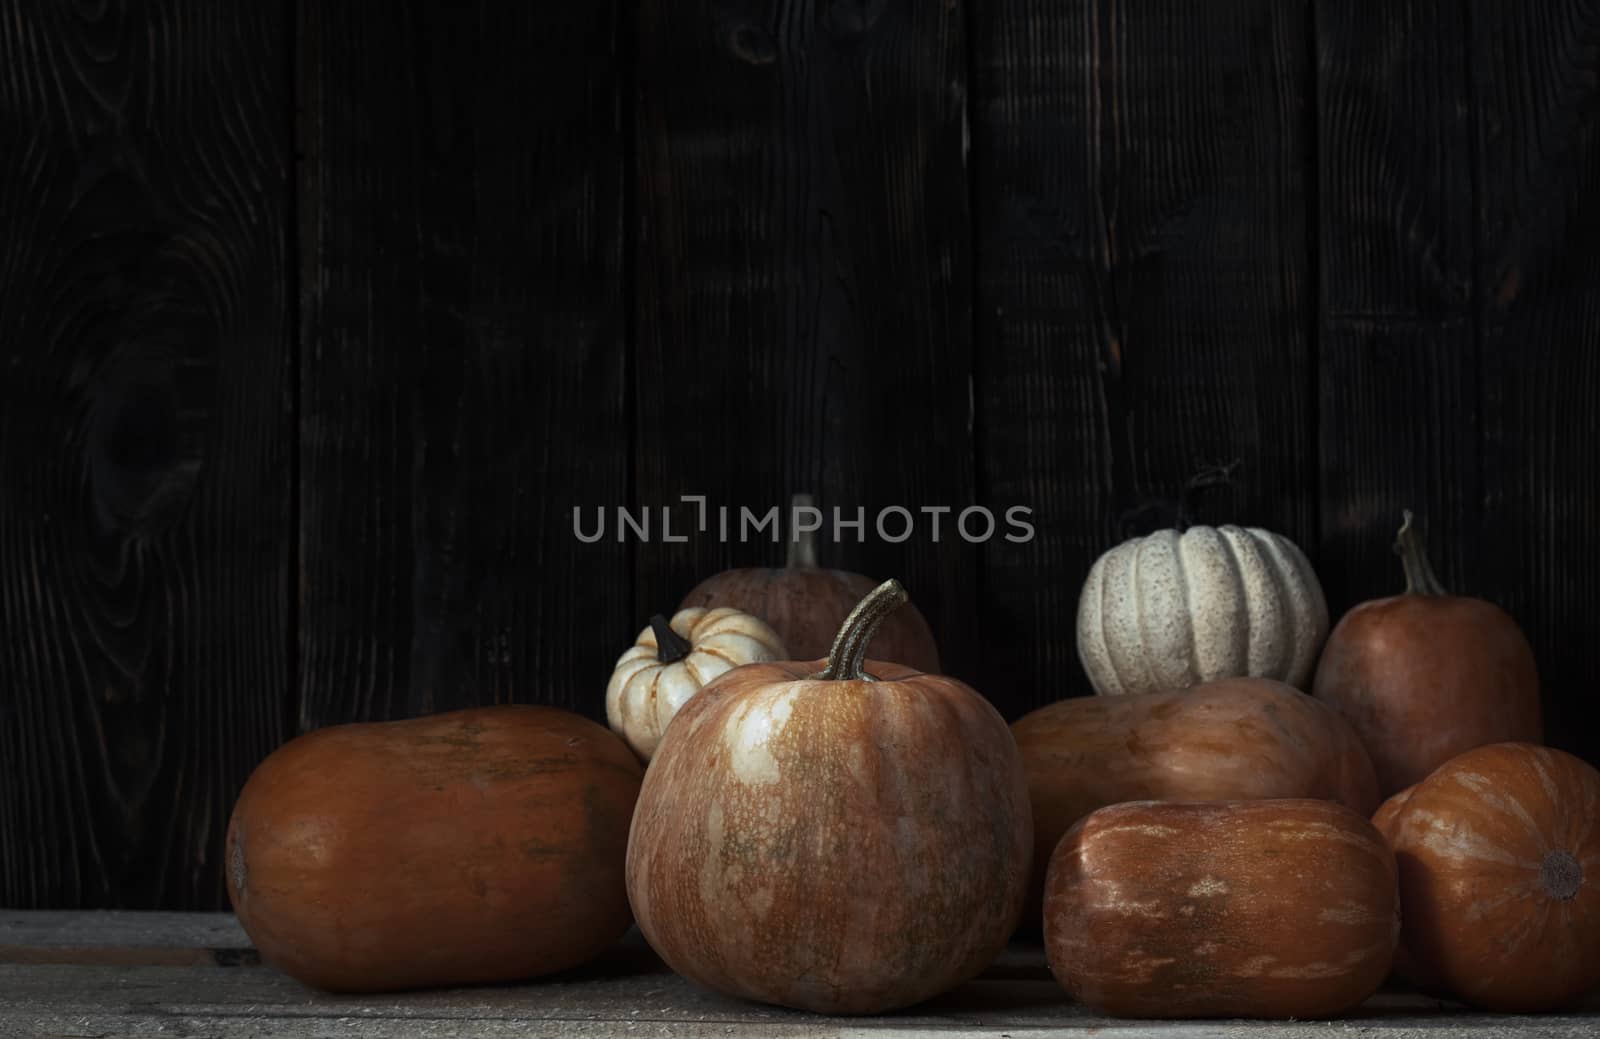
point(462, 370)
point(145, 439)
point(314, 330)
point(1145, 296)
point(803, 298)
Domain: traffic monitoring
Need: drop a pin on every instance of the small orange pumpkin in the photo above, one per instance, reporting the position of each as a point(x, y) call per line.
point(805, 604)
point(1425, 675)
point(1499, 856)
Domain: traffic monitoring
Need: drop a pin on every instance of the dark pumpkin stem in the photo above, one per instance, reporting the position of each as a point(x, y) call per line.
point(849, 650)
point(1420, 578)
point(670, 646)
point(803, 544)
point(1210, 476)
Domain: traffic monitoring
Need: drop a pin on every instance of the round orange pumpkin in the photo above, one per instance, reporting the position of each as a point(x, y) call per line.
point(1499, 855)
point(839, 836)
point(805, 604)
point(474, 846)
point(1425, 675)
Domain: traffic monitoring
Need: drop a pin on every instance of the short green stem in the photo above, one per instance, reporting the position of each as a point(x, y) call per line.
point(1408, 545)
point(849, 652)
point(670, 646)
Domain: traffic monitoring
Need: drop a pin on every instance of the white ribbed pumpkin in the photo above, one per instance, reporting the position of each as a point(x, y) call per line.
point(668, 664)
point(1171, 610)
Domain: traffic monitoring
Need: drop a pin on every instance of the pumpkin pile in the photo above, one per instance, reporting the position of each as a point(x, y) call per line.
point(796, 807)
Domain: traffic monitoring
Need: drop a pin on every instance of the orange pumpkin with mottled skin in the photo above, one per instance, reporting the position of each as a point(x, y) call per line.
point(840, 836)
point(475, 846)
point(1499, 855)
point(1284, 908)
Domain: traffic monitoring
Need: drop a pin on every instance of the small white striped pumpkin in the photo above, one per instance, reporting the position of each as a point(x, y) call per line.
point(1171, 610)
point(668, 664)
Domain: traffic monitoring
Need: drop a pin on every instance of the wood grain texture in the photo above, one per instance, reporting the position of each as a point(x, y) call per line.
point(1536, 91)
point(1144, 296)
point(1398, 354)
point(803, 287)
point(463, 363)
point(627, 992)
point(144, 439)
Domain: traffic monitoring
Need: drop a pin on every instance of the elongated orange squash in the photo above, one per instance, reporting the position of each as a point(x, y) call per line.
point(475, 846)
point(1283, 908)
point(1232, 739)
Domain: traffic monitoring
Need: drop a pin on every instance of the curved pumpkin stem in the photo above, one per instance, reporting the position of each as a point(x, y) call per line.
point(849, 650)
point(670, 646)
point(1420, 578)
point(802, 552)
point(1210, 476)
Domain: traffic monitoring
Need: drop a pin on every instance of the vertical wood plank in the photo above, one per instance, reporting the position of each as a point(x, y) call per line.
point(803, 300)
point(464, 357)
point(1145, 295)
point(144, 440)
point(1398, 357)
point(1536, 88)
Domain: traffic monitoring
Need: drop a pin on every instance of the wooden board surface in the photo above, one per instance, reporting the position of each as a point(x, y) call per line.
point(145, 326)
point(463, 363)
point(1145, 292)
point(802, 297)
point(625, 992)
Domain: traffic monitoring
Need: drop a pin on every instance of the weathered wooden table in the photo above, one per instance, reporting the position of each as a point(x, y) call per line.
point(195, 974)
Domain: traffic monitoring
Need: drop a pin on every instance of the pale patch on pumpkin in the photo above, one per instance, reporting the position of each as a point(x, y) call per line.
point(711, 878)
point(1350, 913)
point(1144, 830)
point(748, 733)
point(1352, 960)
point(1255, 966)
point(1492, 795)
point(1444, 837)
point(856, 761)
point(1208, 887)
point(1483, 907)
point(1139, 969)
point(1309, 972)
point(1128, 907)
point(1204, 948)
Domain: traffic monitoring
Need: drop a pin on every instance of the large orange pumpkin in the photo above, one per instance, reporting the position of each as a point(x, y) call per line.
point(805, 604)
point(1233, 739)
point(839, 836)
point(1221, 909)
point(1499, 854)
point(1425, 675)
point(475, 846)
